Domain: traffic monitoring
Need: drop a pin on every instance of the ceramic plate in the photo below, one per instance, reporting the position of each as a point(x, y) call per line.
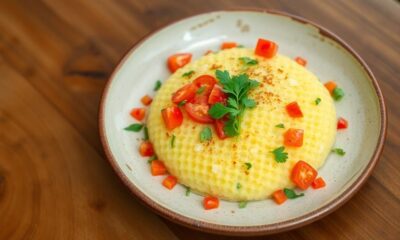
point(328, 57)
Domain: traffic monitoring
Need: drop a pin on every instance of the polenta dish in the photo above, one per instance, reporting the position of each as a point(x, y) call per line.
point(240, 124)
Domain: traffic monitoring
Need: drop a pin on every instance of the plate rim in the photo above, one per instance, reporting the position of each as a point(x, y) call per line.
point(264, 229)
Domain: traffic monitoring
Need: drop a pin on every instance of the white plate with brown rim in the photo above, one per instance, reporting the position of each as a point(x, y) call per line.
point(328, 57)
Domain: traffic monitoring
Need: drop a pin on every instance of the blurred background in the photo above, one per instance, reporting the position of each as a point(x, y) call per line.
point(55, 58)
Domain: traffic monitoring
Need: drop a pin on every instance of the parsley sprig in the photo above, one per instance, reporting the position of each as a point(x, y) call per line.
point(237, 88)
point(280, 154)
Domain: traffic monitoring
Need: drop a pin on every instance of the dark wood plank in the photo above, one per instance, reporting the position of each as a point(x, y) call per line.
point(56, 56)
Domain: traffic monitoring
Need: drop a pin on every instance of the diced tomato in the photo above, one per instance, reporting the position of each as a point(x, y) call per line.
point(200, 99)
point(342, 123)
point(303, 175)
point(186, 92)
point(157, 168)
point(279, 196)
point(210, 202)
point(208, 52)
point(170, 182)
point(293, 137)
point(217, 95)
point(301, 61)
point(172, 116)
point(331, 85)
point(146, 100)
point(293, 109)
point(178, 60)
point(318, 183)
point(198, 112)
point(219, 125)
point(266, 48)
point(146, 149)
point(138, 113)
point(206, 81)
point(227, 45)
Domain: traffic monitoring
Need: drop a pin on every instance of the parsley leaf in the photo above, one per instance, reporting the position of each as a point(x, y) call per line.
point(152, 159)
point(249, 103)
point(238, 186)
point(280, 155)
point(242, 204)
point(136, 127)
point(173, 141)
point(205, 134)
point(339, 151)
point(188, 74)
point(237, 88)
point(280, 125)
point(248, 61)
point(291, 194)
point(317, 101)
point(231, 127)
point(240, 46)
point(146, 133)
point(187, 192)
point(248, 165)
point(201, 90)
point(337, 94)
point(181, 103)
point(157, 86)
point(218, 110)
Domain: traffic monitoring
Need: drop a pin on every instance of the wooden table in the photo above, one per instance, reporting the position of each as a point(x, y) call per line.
point(55, 57)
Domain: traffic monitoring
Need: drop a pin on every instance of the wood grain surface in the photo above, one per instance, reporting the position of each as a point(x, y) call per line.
point(55, 57)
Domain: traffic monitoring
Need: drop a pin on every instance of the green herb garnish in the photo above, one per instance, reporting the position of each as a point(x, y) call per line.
point(157, 86)
point(136, 127)
point(188, 190)
point(201, 90)
point(173, 141)
point(240, 46)
point(238, 186)
point(237, 88)
point(280, 155)
point(242, 204)
point(317, 101)
point(339, 151)
point(145, 133)
point(280, 125)
point(205, 134)
point(181, 103)
point(291, 194)
point(188, 74)
point(248, 61)
point(337, 94)
point(152, 159)
point(248, 165)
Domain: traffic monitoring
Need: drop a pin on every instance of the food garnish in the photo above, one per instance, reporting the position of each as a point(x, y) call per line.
point(138, 113)
point(291, 194)
point(227, 45)
point(317, 101)
point(279, 196)
point(172, 116)
point(301, 61)
point(293, 109)
point(178, 60)
point(188, 74)
point(318, 183)
point(210, 202)
point(293, 137)
point(342, 123)
point(237, 89)
point(146, 149)
point(146, 100)
point(157, 85)
point(205, 134)
point(279, 154)
point(157, 168)
point(136, 127)
point(303, 175)
point(266, 48)
point(339, 151)
point(169, 182)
